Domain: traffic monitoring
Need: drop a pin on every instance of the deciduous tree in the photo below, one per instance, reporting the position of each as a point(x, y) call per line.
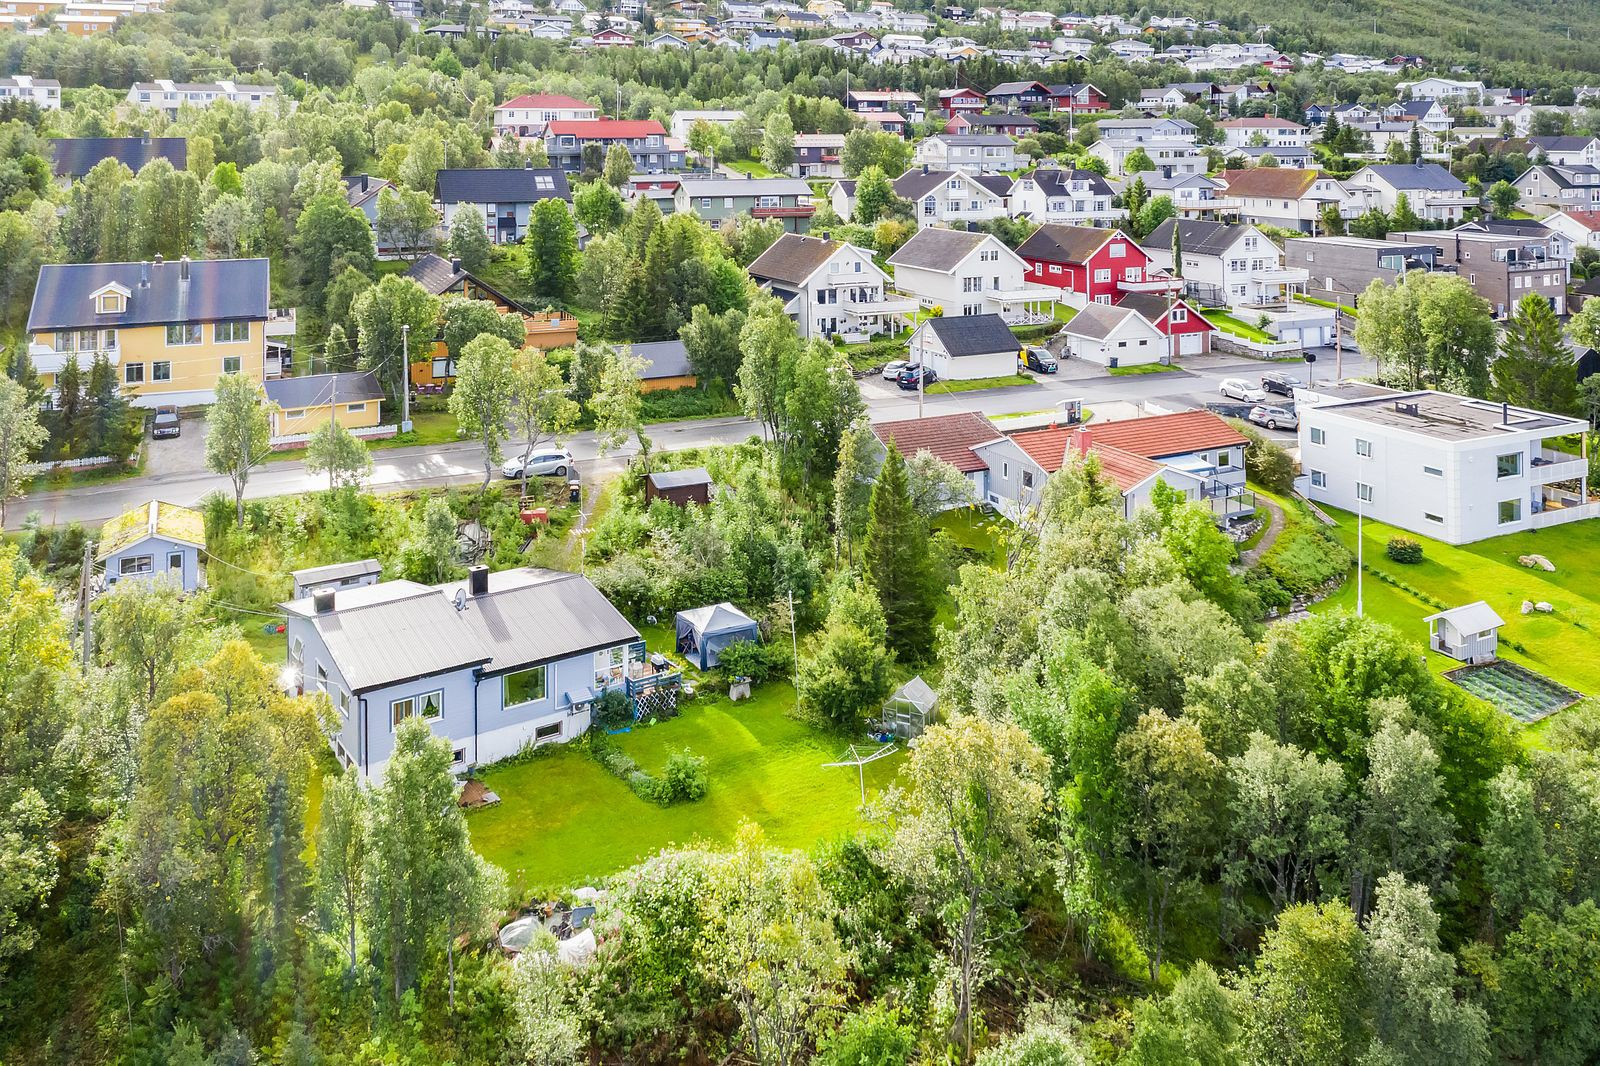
point(238, 431)
point(20, 436)
point(481, 399)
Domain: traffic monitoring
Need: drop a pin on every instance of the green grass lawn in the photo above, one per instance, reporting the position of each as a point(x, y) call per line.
point(1325, 303)
point(1143, 368)
point(970, 528)
point(1001, 382)
point(427, 427)
point(1560, 645)
point(750, 166)
point(1228, 324)
point(563, 820)
point(1064, 314)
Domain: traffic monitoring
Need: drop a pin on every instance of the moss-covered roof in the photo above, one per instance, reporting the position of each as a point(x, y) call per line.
point(156, 518)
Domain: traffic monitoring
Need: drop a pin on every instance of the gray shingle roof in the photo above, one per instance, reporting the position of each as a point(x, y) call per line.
point(1055, 243)
point(680, 479)
point(317, 390)
point(73, 157)
point(792, 258)
point(1053, 182)
point(217, 290)
point(1199, 237)
point(665, 359)
point(494, 186)
point(435, 273)
point(937, 249)
point(1428, 176)
point(972, 335)
point(1096, 321)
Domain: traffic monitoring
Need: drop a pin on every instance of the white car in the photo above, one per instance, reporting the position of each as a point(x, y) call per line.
point(891, 371)
point(552, 462)
point(1241, 390)
point(1274, 417)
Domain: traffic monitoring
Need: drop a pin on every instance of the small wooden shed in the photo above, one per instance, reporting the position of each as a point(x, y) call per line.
point(156, 539)
point(1469, 633)
point(679, 486)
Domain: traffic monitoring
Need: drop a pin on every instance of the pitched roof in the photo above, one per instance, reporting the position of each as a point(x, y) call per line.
point(1429, 176)
point(318, 390)
point(993, 121)
point(154, 519)
point(1589, 220)
point(1159, 436)
point(76, 156)
point(680, 479)
point(1571, 143)
point(1124, 468)
point(718, 618)
point(972, 140)
point(1098, 321)
point(1470, 618)
point(933, 248)
point(745, 186)
point(491, 185)
point(217, 290)
point(317, 575)
point(1153, 308)
point(436, 273)
point(546, 100)
point(1273, 183)
point(792, 258)
point(359, 188)
point(1053, 182)
point(1262, 123)
point(606, 128)
point(963, 335)
point(950, 437)
point(1012, 88)
point(1199, 237)
point(663, 359)
point(1058, 243)
point(1046, 445)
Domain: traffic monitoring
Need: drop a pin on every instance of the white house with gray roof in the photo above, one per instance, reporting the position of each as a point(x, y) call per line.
point(494, 664)
point(981, 153)
point(829, 287)
point(938, 197)
point(968, 273)
point(1113, 337)
point(1435, 194)
point(1070, 197)
point(965, 347)
point(1225, 264)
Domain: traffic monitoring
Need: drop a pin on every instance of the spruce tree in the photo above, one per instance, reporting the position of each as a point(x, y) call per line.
point(899, 564)
point(69, 407)
point(1535, 368)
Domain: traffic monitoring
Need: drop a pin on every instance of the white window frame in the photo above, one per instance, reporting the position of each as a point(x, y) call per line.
point(1363, 448)
point(417, 702)
point(188, 334)
point(544, 687)
point(1364, 492)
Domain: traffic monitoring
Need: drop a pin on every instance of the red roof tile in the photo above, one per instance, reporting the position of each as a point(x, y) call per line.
point(1589, 220)
point(950, 437)
point(607, 128)
point(1160, 436)
point(1046, 445)
point(547, 100)
point(1122, 467)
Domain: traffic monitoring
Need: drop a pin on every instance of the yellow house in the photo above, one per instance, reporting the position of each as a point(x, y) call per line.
point(301, 405)
point(170, 328)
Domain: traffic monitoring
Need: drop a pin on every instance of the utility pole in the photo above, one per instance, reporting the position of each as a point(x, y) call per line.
point(333, 407)
point(85, 604)
point(405, 379)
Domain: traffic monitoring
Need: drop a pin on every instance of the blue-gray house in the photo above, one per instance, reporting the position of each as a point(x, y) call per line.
point(153, 540)
point(494, 663)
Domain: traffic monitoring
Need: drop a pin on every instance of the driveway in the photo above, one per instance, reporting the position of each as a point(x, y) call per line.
point(177, 456)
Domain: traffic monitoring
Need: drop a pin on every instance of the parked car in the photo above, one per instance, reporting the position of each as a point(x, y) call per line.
point(166, 423)
point(1274, 417)
point(556, 462)
point(910, 375)
point(891, 370)
point(1241, 390)
point(1039, 360)
point(1279, 382)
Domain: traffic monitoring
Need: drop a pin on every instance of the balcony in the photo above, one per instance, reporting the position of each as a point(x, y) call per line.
point(1161, 285)
point(1559, 508)
point(879, 305)
point(1550, 466)
point(1282, 276)
point(797, 211)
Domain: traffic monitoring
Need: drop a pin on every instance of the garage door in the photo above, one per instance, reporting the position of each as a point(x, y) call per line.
point(1191, 343)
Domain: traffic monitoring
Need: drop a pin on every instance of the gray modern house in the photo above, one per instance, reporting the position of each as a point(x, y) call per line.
point(504, 197)
point(714, 199)
point(1503, 267)
point(494, 663)
point(1338, 268)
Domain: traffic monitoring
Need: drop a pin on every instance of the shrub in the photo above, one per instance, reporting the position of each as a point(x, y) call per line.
point(666, 405)
point(749, 658)
point(1264, 462)
point(611, 710)
point(684, 780)
point(1403, 550)
point(1304, 559)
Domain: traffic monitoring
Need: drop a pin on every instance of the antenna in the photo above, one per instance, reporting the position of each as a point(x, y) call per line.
point(461, 599)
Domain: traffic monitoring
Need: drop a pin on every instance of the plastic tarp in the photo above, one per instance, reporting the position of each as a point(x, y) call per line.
point(705, 631)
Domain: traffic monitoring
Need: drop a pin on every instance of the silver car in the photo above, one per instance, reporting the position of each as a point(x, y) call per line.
point(1274, 417)
point(891, 370)
point(1241, 390)
point(540, 464)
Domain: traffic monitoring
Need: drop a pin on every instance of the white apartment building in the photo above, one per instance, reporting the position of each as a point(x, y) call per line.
point(1071, 197)
point(981, 153)
point(168, 95)
point(43, 93)
point(1448, 467)
point(529, 114)
point(968, 273)
point(1264, 133)
point(684, 121)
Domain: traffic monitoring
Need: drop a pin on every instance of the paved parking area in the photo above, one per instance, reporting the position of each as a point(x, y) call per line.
point(181, 455)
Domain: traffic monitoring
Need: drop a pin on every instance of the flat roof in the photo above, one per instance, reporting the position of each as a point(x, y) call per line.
point(1442, 416)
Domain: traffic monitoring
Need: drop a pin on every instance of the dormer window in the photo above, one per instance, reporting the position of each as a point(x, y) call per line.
point(110, 303)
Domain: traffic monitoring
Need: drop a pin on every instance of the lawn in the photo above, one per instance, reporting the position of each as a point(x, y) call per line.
point(980, 533)
point(1065, 314)
point(1239, 328)
point(751, 167)
point(1560, 645)
point(1143, 368)
point(427, 427)
point(1346, 308)
point(975, 384)
point(563, 820)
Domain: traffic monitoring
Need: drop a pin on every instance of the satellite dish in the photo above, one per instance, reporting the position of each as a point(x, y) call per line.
point(461, 599)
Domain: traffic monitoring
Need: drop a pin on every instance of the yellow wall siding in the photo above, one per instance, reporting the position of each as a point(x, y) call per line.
point(311, 419)
point(687, 381)
point(190, 367)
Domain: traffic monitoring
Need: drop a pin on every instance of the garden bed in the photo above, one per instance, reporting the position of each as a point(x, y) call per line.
point(1514, 689)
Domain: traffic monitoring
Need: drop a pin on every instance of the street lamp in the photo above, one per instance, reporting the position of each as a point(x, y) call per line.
point(405, 379)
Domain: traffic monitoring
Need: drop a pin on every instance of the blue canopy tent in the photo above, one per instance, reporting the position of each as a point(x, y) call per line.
point(705, 631)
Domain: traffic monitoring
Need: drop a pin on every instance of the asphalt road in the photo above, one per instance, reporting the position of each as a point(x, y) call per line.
point(462, 463)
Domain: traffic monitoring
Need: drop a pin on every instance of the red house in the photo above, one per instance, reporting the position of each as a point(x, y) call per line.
point(1090, 265)
point(955, 101)
point(1079, 96)
point(609, 38)
point(1182, 320)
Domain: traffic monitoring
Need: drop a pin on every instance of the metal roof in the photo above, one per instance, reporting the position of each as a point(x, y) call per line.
point(745, 187)
point(963, 335)
point(217, 290)
point(680, 479)
point(664, 359)
point(490, 185)
point(313, 575)
point(73, 157)
point(319, 390)
point(1476, 617)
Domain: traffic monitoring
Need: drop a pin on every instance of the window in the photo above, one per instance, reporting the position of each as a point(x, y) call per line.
point(1437, 519)
point(458, 756)
point(110, 303)
point(1364, 447)
point(522, 686)
point(1223, 458)
point(547, 732)
point(230, 332)
point(1510, 511)
point(133, 374)
point(230, 364)
point(705, 203)
point(1363, 492)
point(183, 334)
point(1027, 479)
point(1319, 479)
point(1433, 471)
point(161, 370)
point(174, 560)
point(1118, 250)
point(971, 284)
point(1180, 315)
point(608, 666)
point(1508, 465)
point(136, 564)
point(428, 706)
point(1102, 275)
point(356, 408)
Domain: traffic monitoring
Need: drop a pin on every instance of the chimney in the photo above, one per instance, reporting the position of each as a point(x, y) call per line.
point(527, 164)
point(455, 266)
point(322, 599)
point(146, 138)
point(159, 259)
point(183, 269)
point(478, 580)
point(1505, 413)
point(144, 275)
point(364, 180)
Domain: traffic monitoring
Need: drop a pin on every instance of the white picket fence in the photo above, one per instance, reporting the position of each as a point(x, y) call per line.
point(87, 463)
point(300, 440)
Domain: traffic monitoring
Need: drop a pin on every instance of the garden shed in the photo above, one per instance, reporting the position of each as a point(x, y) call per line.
point(679, 486)
point(1469, 633)
point(911, 709)
point(705, 631)
point(155, 538)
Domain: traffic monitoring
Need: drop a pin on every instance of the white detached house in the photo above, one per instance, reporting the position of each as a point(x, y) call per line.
point(829, 287)
point(968, 273)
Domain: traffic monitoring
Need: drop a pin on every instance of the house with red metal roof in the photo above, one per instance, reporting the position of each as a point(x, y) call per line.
point(645, 139)
point(527, 115)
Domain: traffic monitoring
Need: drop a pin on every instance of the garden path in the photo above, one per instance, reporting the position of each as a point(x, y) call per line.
point(1250, 556)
